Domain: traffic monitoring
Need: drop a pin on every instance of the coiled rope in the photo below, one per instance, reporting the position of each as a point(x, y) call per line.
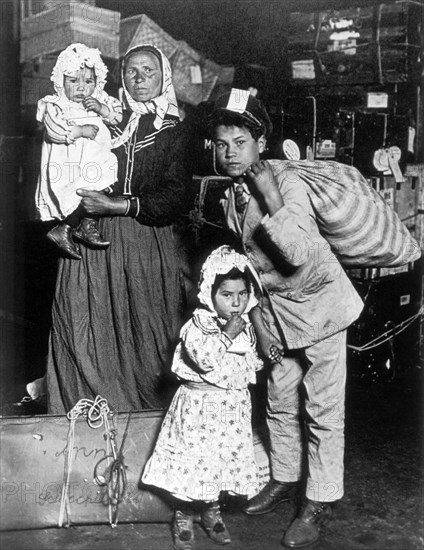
point(97, 413)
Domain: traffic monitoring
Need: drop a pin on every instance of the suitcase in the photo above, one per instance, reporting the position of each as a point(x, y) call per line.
point(32, 454)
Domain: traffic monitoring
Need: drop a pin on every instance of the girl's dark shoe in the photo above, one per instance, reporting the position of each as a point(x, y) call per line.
point(88, 233)
point(182, 531)
point(212, 522)
point(305, 528)
point(61, 235)
point(274, 493)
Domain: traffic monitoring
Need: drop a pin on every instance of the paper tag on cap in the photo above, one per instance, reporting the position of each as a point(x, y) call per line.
point(238, 100)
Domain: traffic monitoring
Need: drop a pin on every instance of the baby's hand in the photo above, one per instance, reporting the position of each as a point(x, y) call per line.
point(89, 131)
point(92, 104)
point(234, 326)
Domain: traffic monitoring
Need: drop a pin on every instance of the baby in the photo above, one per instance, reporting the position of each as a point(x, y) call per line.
point(76, 150)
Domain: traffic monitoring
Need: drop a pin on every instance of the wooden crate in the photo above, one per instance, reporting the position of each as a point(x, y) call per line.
point(185, 61)
point(53, 30)
point(140, 29)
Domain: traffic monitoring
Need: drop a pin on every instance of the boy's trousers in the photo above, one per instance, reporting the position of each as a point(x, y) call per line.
point(306, 395)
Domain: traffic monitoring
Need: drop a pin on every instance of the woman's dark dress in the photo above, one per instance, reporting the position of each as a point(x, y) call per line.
point(116, 313)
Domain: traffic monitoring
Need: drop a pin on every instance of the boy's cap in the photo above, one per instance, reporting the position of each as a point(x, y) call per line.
point(243, 105)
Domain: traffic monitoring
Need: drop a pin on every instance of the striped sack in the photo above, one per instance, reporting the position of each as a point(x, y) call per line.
point(360, 226)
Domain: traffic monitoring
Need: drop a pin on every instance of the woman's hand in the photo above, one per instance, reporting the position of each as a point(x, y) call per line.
point(262, 181)
point(234, 326)
point(97, 203)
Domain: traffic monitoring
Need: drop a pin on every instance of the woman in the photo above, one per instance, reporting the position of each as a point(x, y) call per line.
point(116, 314)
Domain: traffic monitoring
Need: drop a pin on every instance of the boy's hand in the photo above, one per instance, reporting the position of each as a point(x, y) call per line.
point(89, 131)
point(92, 104)
point(260, 175)
point(261, 180)
point(234, 326)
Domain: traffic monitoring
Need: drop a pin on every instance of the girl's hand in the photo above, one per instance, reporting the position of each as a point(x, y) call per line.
point(275, 354)
point(234, 326)
point(98, 204)
point(89, 131)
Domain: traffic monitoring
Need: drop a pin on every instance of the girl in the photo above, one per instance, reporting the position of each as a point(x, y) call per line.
point(205, 445)
point(76, 151)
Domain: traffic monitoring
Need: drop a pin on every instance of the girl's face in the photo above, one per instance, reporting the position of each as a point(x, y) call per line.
point(231, 297)
point(143, 76)
point(79, 85)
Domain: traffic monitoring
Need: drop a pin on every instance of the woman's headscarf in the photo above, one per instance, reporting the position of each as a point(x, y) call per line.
point(222, 261)
point(165, 103)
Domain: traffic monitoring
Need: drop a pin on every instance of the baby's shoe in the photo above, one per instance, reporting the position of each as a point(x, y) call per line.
point(183, 531)
point(212, 522)
point(61, 235)
point(88, 233)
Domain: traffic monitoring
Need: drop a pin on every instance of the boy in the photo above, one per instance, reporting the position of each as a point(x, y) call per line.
point(307, 305)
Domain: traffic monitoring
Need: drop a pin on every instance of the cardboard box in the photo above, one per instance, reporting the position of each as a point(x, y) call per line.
point(140, 29)
point(194, 77)
point(53, 30)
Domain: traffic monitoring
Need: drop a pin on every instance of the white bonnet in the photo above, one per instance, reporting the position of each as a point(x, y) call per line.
point(221, 261)
point(74, 58)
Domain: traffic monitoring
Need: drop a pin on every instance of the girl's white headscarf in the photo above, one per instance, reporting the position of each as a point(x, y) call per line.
point(164, 103)
point(219, 262)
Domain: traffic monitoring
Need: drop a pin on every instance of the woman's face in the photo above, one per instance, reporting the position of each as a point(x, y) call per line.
point(143, 76)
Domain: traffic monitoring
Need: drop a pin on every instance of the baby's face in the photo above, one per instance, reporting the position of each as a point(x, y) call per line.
point(231, 297)
point(80, 84)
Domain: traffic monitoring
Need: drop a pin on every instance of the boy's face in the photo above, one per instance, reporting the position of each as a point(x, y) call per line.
point(231, 297)
point(236, 149)
point(79, 85)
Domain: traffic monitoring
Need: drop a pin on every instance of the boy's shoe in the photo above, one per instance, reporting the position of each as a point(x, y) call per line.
point(88, 233)
point(61, 235)
point(274, 493)
point(305, 528)
point(182, 531)
point(212, 522)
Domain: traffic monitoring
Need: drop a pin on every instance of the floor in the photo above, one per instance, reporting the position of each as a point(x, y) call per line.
point(382, 508)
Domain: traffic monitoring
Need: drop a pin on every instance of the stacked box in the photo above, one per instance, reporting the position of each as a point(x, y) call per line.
point(377, 48)
point(51, 31)
point(35, 80)
point(140, 29)
point(185, 65)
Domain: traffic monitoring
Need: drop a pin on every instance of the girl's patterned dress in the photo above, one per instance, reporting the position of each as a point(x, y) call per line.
point(205, 445)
